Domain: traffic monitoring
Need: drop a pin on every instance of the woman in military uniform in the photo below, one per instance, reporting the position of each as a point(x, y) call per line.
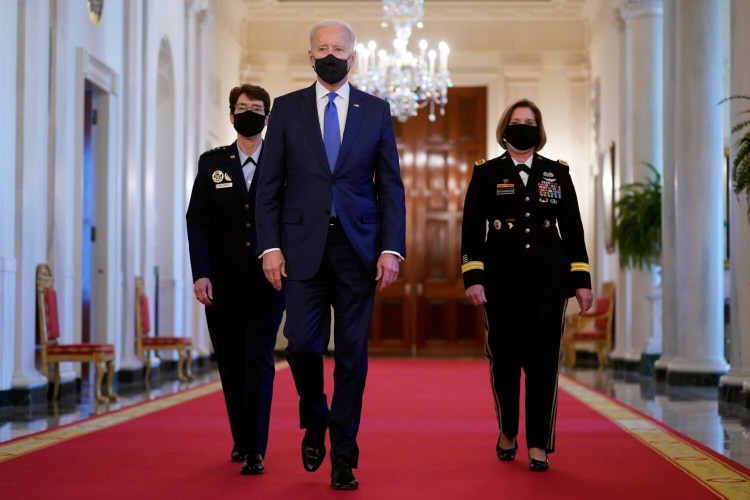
point(523, 255)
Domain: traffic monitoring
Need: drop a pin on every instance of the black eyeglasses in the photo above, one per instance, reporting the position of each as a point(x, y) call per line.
point(255, 108)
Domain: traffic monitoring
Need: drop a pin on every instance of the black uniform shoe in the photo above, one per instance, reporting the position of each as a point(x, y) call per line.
point(538, 465)
point(312, 454)
point(342, 477)
point(253, 465)
point(506, 455)
point(237, 456)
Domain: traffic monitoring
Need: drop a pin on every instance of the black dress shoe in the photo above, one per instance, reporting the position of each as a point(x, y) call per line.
point(237, 456)
point(506, 455)
point(342, 477)
point(253, 465)
point(538, 465)
point(312, 455)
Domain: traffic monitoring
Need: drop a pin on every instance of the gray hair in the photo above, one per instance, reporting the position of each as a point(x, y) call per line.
point(339, 24)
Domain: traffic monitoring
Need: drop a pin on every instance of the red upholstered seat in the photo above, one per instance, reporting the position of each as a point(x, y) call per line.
point(145, 343)
point(165, 341)
point(80, 349)
point(594, 328)
point(53, 353)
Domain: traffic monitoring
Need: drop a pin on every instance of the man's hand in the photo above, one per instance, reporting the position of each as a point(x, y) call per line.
point(387, 270)
point(585, 298)
point(274, 267)
point(475, 294)
point(204, 291)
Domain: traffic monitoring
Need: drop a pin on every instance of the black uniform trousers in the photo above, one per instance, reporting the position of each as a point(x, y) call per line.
point(526, 336)
point(342, 281)
point(243, 338)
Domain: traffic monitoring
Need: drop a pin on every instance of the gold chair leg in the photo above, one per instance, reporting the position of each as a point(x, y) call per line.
point(56, 378)
point(602, 355)
point(181, 366)
point(110, 378)
point(98, 384)
point(188, 363)
point(570, 353)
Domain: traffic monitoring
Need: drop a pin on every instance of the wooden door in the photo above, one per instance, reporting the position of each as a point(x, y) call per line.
point(425, 313)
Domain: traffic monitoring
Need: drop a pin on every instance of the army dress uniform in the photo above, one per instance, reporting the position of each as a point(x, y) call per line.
point(525, 245)
point(245, 313)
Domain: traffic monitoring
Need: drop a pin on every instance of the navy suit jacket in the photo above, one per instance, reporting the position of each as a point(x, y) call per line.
point(296, 185)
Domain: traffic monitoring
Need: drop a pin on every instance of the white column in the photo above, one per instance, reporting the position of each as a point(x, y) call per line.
point(201, 338)
point(698, 217)
point(668, 244)
point(739, 221)
point(132, 173)
point(9, 41)
point(643, 124)
point(32, 173)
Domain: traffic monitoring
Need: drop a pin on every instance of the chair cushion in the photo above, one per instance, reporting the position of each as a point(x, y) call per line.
point(145, 320)
point(162, 341)
point(51, 318)
point(602, 306)
point(590, 335)
point(80, 349)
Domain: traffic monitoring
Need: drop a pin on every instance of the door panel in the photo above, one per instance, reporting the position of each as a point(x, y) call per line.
point(426, 313)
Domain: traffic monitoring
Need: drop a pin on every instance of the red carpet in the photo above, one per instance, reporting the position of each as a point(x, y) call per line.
point(428, 431)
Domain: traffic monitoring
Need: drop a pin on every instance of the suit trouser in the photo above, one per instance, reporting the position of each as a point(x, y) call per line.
point(243, 338)
point(526, 336)
point(344, 283)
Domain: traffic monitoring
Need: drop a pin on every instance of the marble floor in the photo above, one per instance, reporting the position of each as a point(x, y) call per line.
point(693, 411)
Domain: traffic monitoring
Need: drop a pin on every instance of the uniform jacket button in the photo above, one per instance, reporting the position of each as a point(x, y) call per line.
point(527, 214)
point(247, 243)
point(527, 230)
point(527, 246)
point(247, 207)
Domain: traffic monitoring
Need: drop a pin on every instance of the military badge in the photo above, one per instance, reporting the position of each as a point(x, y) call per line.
point(498, 224)
point(505, 188)
point(226, 177)
point(548, 189)
point(217, 176)
point(509, 223)
point(549, 177)
point(480, 162)
point(546, 223)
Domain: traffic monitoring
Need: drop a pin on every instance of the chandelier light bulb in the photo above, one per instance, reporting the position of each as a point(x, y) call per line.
point(407, 81)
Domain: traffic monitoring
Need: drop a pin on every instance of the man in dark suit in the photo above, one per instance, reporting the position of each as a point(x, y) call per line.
point(331, 222)
point(243, 311)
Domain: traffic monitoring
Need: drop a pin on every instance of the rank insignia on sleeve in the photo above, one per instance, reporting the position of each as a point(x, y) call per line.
point(217, 176)
point(464, 259)
point(498, 224)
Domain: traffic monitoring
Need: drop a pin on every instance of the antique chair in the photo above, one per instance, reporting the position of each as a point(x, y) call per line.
point(54, 353)
point(145, 343)
point(593, 328)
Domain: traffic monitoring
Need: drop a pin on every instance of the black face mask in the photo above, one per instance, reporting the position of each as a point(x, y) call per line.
point(248, 123)
point(521, 136)
point(331, 69)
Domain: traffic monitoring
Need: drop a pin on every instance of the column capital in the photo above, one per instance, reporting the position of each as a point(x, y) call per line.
point(640, 8)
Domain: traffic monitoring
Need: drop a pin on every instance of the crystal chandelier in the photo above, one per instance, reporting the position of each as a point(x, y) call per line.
point(407, 81)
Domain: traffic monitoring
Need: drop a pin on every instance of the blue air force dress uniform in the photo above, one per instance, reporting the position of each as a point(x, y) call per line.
point(525, 245)
point(246, 311)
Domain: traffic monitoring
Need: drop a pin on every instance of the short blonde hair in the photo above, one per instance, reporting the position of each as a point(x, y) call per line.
point(502, 125)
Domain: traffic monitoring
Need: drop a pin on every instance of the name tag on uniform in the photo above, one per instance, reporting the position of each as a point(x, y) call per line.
point(505, 189)
point(224, 185)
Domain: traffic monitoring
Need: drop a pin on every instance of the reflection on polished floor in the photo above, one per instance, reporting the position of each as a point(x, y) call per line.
point(692, 411)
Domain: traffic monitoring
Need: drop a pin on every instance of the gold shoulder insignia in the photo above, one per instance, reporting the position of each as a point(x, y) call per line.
point(480, 162)
point(562, 162)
